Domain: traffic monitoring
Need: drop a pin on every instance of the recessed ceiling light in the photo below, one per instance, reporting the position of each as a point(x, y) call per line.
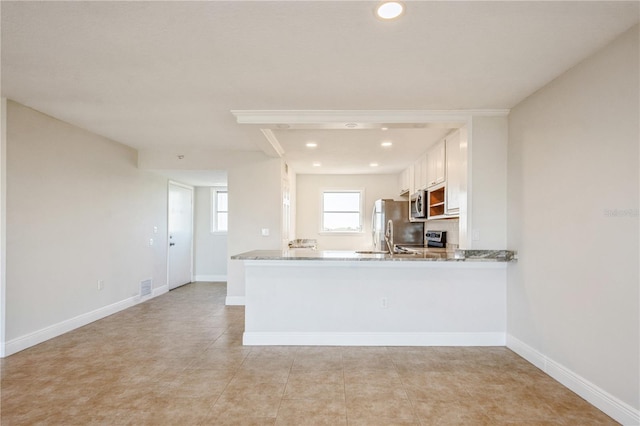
point(316, 164)
point(351, 125)
point(384, 128)
point(389, 10)
point(311, 144)
point(373, 164)
point(386, 144)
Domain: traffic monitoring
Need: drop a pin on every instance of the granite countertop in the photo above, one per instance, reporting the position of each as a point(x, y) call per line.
point(430, 255)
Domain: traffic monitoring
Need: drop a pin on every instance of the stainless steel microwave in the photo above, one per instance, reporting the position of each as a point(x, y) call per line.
point(418, 205)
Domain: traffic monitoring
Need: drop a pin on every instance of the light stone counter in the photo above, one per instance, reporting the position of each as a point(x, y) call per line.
point(430, 255)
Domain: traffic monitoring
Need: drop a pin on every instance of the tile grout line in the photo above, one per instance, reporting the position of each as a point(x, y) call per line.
point(284, 390)
point(344, 387)
point(413, 407)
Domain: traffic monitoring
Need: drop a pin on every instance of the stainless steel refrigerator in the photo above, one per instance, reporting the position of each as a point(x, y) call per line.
point(390, 222)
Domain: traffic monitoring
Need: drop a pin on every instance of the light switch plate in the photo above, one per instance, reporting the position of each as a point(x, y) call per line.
point(265, 232)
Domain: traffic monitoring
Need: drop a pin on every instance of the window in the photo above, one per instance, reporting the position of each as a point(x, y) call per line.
point(219, 209)
point(342, 211)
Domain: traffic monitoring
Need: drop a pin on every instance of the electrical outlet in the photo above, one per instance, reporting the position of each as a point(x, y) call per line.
point(100, 284)
point(150, 242)
point(384, 303)
point(265, 232)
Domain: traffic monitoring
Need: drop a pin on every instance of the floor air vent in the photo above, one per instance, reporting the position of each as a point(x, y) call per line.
point(145, 288)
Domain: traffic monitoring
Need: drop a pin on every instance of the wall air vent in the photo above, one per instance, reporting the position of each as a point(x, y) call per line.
point(145, 288)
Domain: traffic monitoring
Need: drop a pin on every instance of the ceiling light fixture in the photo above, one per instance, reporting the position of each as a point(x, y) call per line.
point(311, 144)
point(389, 10)
point(386, 144)
point(316, 164)
point(373, 164)
point(351, 125)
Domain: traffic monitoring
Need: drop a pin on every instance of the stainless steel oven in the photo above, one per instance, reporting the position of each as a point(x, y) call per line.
point(435, 239)
point(418, 206)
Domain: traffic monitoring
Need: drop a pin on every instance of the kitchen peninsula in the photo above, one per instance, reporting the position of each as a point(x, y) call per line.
point(309, 297)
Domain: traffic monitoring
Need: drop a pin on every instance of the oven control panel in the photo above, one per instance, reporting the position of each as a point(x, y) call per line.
point(435, 238)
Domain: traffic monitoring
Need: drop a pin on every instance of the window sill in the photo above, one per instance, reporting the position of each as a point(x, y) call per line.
point(342, 234)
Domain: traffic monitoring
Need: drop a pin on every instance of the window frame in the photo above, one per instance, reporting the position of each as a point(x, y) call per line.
point(214, 209)
point(361, 218)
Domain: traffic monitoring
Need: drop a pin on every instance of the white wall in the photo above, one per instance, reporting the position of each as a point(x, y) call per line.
point(210, 249)
point(487, 202)
point(3, 221)
point(573, 299)
point(255, 202)
point(308, 206)
point(290, 184)
point(78, 211)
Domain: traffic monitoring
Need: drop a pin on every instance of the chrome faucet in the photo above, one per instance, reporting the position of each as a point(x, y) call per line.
point(388, 237)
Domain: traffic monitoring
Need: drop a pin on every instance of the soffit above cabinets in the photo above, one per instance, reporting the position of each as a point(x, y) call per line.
point(349, 142)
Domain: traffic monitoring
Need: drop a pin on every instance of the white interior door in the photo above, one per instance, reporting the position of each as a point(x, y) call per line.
point(180, 257)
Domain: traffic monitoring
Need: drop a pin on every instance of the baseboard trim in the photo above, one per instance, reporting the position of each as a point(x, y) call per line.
point(28, 340)
point(603, 400)
point(373, 339)
point(235, 300)
point(160, 290)
point(211, 278)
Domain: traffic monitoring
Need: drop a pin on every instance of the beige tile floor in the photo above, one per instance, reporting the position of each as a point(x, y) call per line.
point(178, 360)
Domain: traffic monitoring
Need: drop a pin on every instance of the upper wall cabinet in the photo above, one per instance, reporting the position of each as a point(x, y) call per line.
point(435, 162)
point(420, 173)
point(440, 168)
point(454, 164)
point(405, 181)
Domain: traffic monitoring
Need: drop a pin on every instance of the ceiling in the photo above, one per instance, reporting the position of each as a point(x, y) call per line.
point(356, 151)
point(166, 75)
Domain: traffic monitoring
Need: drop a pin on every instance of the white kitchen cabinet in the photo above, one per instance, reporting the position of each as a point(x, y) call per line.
point(404, 185)
point(420, 173)
point(435, 164)
point(436, 201)
point(410, 177)
point(454, 173)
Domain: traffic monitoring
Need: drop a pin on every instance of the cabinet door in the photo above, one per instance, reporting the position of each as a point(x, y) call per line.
point(412, 183)
point(436, 164)
point(439, 161)
point(403, 182)
point(419, 179)
point(453, 173)
point(423, 171)
point(430, 170)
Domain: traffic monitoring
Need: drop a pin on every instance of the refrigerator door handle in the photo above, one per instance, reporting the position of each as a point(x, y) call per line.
point(373, 228)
